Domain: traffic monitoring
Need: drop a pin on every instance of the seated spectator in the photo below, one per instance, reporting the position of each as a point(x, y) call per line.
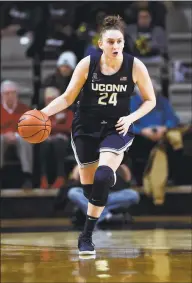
point(11, 111)
point(120, 198)
point(66, 64)
point(157, 9)
point(157, 134)
point(148, 41)
point(57, 142)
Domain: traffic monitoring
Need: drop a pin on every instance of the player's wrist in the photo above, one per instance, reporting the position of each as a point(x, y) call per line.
point(44, 111)
point(130, 118)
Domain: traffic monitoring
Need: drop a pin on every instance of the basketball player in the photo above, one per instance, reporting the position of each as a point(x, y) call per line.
point(102, 125)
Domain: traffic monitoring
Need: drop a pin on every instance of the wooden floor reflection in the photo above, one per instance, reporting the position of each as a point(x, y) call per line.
point(122, 256)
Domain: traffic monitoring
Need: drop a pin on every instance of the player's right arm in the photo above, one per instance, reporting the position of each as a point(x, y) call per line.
point(78, 79)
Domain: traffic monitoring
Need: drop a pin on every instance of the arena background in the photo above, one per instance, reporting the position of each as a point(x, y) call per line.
point(33, 35)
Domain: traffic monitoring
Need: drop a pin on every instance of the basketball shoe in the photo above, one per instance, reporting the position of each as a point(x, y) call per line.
point(85, 245)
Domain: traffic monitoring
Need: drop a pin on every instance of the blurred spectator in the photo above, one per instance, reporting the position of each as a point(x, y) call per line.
point(31, 19)
point(158, 135)
point(120, 198)
point(182, 71)
point(57, 142)
point(14, 18)
point(11, 111)
point(157, 10)
point(66, 64)
point(146, 39)
point(62, 13)
point(93, 34)
point(60, 38)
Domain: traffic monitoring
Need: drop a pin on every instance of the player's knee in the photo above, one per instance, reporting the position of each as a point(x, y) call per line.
point(104, 175)
point(103, 180)
point(87, 189)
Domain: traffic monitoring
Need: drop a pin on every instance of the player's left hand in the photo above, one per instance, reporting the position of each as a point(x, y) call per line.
point(123, 125)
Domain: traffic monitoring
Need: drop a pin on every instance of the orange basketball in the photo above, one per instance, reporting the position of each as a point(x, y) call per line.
point(34, 126)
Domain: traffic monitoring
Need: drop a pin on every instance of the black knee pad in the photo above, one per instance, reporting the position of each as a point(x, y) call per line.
point(103, 180)
point(87, 189)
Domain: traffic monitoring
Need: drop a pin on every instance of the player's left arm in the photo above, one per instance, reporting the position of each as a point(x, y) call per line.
point(143, 81)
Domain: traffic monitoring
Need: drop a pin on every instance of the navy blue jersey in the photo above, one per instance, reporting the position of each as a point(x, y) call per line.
point(106, 97)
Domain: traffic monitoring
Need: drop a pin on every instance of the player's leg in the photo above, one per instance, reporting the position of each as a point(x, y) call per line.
point(105, 177)
point(87, 156)
point(87, 173)
point(111, 155)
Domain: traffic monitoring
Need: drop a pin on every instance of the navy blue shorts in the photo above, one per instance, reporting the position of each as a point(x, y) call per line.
point(89, 139)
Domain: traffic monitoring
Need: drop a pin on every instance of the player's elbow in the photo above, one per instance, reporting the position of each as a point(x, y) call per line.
point(68, 100)
point(153, 102)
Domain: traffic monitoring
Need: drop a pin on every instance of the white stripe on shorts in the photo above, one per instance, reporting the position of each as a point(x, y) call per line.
point(82, 165)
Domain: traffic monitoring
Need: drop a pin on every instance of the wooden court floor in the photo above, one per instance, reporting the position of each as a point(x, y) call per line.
point(122, 256)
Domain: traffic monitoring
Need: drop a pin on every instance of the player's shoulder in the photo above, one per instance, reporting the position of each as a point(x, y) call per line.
point(83, 66)
point(85, 61)
point(139, 66)
point(139, 69)
point(88, 62)
point(138, 63)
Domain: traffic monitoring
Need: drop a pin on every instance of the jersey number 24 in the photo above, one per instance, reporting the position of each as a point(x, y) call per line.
point(103, 99)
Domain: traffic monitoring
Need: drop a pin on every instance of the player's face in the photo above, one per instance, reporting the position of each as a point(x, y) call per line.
point(112, 43)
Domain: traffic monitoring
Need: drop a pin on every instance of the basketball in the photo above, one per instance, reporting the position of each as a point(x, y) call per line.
point(34, 126)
